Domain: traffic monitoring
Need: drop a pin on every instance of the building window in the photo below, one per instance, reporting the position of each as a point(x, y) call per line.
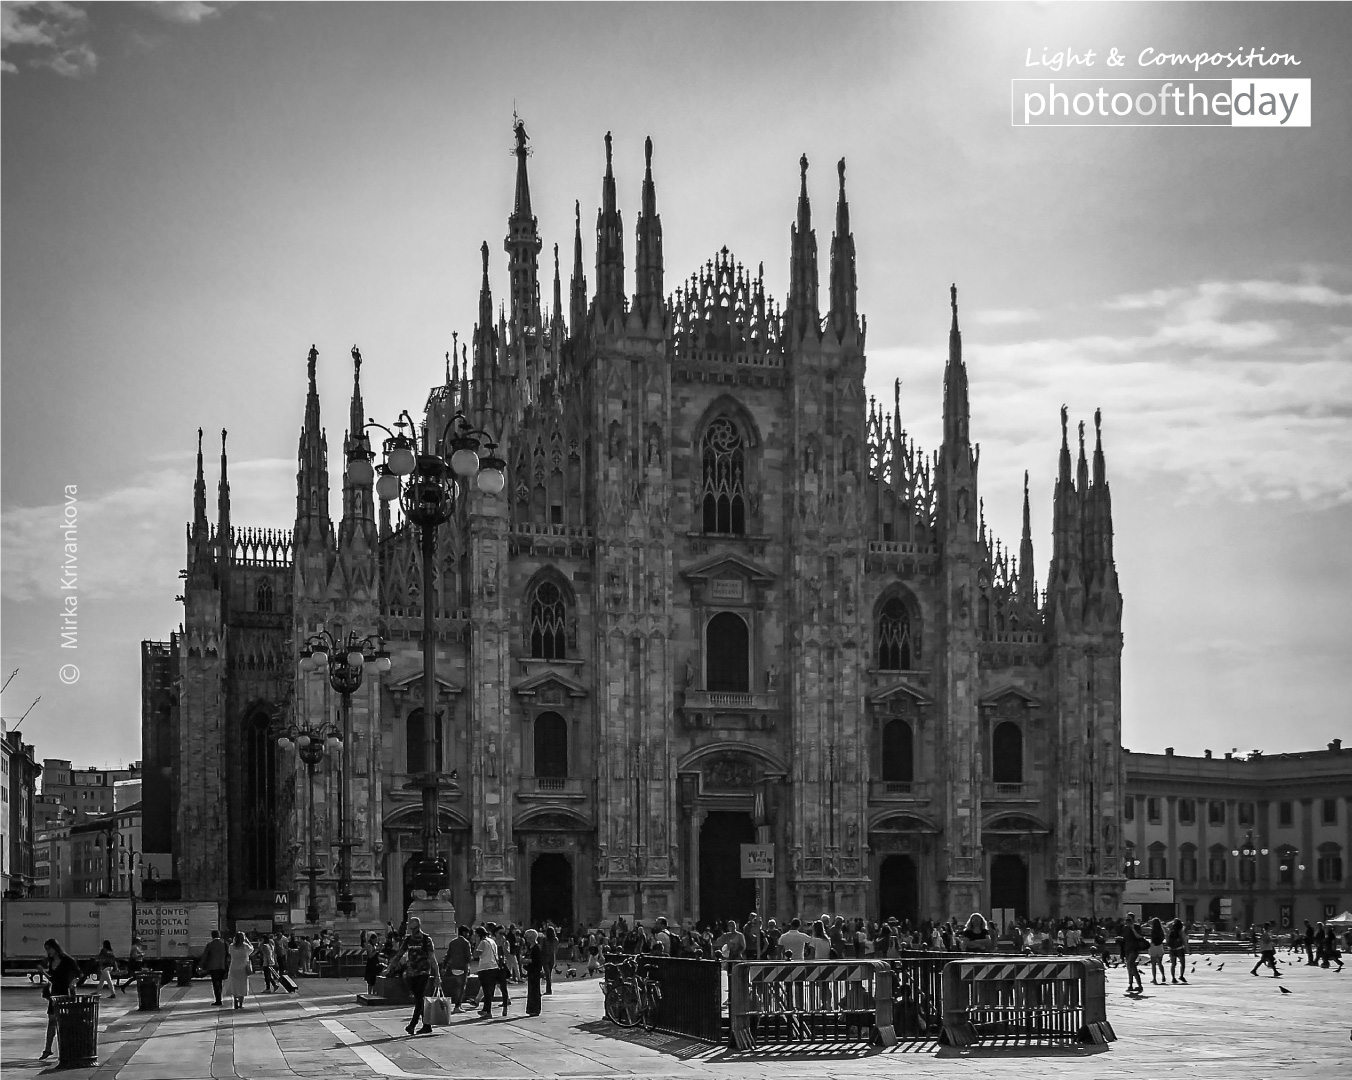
point(723, 491)
point(1157, 865)
point(1330, 812)
point(1286, 866)
point(551, 745)
point(264, 596)
point(1248, 871)
point(894, 636)
point(728, 649)
point(1216, 865)
point(1130, 862)
point(548, 622)
point(1330, 865)
point(898, 752)
point(258, 850)
point(1007, 754)
point(1129, 809)
point(1215, 812)
point(415, 737)
point(1246, 813)
point(1284, 814)
point(1187, 865)
point(1152, 810)
point(1187, 812)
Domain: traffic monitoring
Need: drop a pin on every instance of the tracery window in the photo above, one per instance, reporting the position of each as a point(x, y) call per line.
point(264, 596)
point(894, 637)
point(548, 622)
point(723, 488)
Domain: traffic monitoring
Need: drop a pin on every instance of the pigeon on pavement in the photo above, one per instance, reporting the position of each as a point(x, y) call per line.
point(1220, 967)
point(1284, 990)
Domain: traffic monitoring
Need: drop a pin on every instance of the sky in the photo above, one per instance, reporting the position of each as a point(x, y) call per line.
point(193, 193)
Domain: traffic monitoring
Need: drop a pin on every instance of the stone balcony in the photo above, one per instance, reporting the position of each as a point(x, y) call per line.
point(898, 791)
point(700, 707)
point(552, 789)
point(1012, 793)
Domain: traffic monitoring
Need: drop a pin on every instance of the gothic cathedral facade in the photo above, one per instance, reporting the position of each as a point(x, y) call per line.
point(723, 600)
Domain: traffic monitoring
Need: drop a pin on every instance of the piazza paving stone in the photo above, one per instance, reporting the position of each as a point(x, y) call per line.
point(1221, 1025)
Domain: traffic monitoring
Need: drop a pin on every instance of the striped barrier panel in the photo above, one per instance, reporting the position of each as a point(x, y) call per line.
point(809, 1002)
point(1030, 999)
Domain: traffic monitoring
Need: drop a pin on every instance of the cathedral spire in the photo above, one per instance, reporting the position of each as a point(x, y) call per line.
point(844, 286)
point(557, 315)
point(609, 247)
point(485, 348)
point(577, 296)
point(648, 249)
point(1027, 586)
point(199, 495)
point(223, 506)
point(358, 499)
point(523, 244)
point(956, 411)
point(803, 312)
point(312, 476)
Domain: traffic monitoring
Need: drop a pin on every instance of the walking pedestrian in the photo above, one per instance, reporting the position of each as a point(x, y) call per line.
point(372, 967)
point(550, 949)
point(490, 974)
point(1309, 944)
point(419, 954)
point(107, 964)
point(1268, 954)
point(61, 972)
point(1156, 952)
point(459, 953)
point(1131, 944)
point(533, 957)
point(266, 961)
point(241, 967)
point(135, 959)
point(1177, 942)
point(215, 961)
point(307, 950)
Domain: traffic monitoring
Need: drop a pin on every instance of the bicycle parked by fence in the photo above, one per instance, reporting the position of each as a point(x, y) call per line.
point(631, 996)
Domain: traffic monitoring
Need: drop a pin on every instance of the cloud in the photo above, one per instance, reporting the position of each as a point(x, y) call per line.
point(1240, 390)
point(131, 541)
point(187, 13)
point(1005, 317)
point(49, 34)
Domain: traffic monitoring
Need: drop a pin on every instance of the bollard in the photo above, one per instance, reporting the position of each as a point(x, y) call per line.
point(77, 1019)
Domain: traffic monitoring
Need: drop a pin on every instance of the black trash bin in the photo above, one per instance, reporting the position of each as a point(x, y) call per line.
point(184, 970)
point(77, 1030)
point(148, 991)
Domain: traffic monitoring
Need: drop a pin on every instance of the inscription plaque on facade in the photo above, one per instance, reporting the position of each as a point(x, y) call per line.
point(727, 589)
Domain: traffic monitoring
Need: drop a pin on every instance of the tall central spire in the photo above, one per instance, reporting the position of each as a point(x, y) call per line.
point(312, 476)
point(844, 287)
point(577, 296)
point(648, 250)
point(523, 244)
point(956, 411)
point(804, 315)
point(609, 247)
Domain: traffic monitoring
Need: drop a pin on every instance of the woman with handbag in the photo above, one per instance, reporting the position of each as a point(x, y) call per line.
point(61, 972)
point(533, 955)
point(241, 967)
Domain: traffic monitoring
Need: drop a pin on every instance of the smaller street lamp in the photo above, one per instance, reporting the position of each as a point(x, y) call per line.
point(312, 743)
point(1249, 852)
point(345, 659)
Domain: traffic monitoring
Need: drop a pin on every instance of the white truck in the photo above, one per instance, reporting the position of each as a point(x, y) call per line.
point(169, 930)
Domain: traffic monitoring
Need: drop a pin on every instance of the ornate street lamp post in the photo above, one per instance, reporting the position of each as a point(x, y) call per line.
point(312, 743)
point(345, 659)
point(427, 481)
point(1249, 853)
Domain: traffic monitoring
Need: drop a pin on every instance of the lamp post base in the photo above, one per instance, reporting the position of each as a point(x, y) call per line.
point(437, 914)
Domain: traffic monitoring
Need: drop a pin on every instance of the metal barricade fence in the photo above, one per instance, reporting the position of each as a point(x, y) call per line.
point(691, 1000)
point(1030, 999)
point(810, 1001)
point(918, 991)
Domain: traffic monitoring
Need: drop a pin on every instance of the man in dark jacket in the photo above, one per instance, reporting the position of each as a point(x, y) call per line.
point(214, 962)
point(458, 955)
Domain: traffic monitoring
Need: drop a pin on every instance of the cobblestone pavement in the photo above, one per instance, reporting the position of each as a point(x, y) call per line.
point(1223, 1024)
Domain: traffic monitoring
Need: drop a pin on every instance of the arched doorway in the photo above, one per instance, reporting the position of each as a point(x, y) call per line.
point(1009, 883)
point(899, 888)
point(723, 893)
point(551, 890)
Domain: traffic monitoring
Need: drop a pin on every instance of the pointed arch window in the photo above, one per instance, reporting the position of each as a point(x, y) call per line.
point(258, 850)
point(263, 597)
point(551, 745)
point(898, 752)
point(895, 652)
point(548, 622)
point(723, 487)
